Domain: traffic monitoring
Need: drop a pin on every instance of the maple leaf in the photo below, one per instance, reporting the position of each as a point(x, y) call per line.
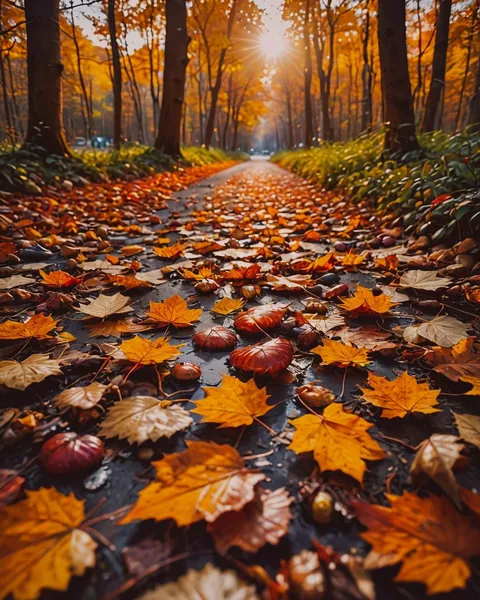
point(342, 355)
point(262, 521)
point(475, 382)
point(116, 328)
point(233, 404)
point(81, 397)
point(209, 583)
point(104, 306)
point(436, 457)
point(19, 375)
point(369, 337)
point(171, 252)
point(350, 259)
point(468, 427)
point(38, 326)
point(155, 277)
point(339, 441)
point(423, 280)
point(203, 273)
point(58, 279)
point(428, 536)
point(400, 397)
point(294, 283)
point(443, 331)
point(7, 283)
point(42, 544)
point(227, 306)
point(324, 324)
point(387, 263)
point(142, 418)
point(457, 362)
point(145, 352)
point(202, 482)
point(128, 282)
point(365, 302)
point(173, 311)
point(322, 264)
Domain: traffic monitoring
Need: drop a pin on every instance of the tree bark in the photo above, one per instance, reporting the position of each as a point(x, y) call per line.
point(116, 75)
point(307, 78)
point(44, 68)
point(366, 122)
point(174, 74)
point(470, 37)
point(84, 98)
point(474, 115)
point(396, 91)
point(439, 65)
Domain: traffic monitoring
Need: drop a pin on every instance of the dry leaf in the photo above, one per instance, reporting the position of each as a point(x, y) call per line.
point(104, 306)
point(423, 280)
point(173, 311)
point(141, 418)
point(475, 381)
point(155, 276)
point(262, 521)
point(144, 352)
point(170, 252)
point(58, 279)
point(365, 302)
point(116, 328)
point(38, 326)
point(400, 397)
point(339, 441)
point(436, 457)
point(324, 324)
point(128, 282)
point(227, 306)
point(443, 331)
point(10, 486)
point(469, 428)
point(457, 362)
point(42, 544)
point(7, 283)
point(81, 397)
point(209, 583)
point(428, 535)
point(202, 482)
point(294, 283)
point(368, 337)
point(342, 355)
point(19, 375)
point(350, 259)
point(233, 404)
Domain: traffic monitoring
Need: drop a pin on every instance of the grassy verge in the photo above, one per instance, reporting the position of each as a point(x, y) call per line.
point(434, 190)
point(27, 171)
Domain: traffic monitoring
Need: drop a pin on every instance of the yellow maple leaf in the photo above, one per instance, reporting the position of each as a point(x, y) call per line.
point(428, 536)
point(475, 381)
point(171, 252)
point(365, 302)
point(350, 259)
point(227, 306)
point(203, 273)
point(173, 311)
point(202, 482)
point(387, 263)
point(38, 326)
point(233, 404)
point(400, 397)
point(342, 355)
point(145, 352)
point(42, 544)
point(339, 441)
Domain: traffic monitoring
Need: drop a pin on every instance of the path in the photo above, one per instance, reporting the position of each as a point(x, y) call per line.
point(255, 213)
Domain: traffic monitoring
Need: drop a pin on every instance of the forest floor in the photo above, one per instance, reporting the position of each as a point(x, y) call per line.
point(376, 457)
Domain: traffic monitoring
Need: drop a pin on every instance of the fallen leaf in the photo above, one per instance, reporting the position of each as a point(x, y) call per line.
point(401, 396)
point(174, 311)
point(128, 282)
point(339, 441)
point(116, 328)
point(42, 544)
point(265, 358)
point(233, 403)
point(58, 279)
point(423, 280)
point(155, 276)
point(324, 324)
point(436, 457)
point(145, 352)
point(171, 252)
point(368, 337)
point(365, 302)
point(457, 362)
point(294, 283)
point(342, 355)
point(19, 375)
point(81, 397)
point(475, 382)
point(209, 583)
point(469, 428)
point(38, 326)
point(428, 536)
point(202, 482)
point(227, 306)
point(443, 331)
point(387, 263)
point(350, 259)
point(262, 521)
point(7, 283)
point(141, 418)
point(104, 306)
point(10, 486)
point(394, 295)
point(260, 318)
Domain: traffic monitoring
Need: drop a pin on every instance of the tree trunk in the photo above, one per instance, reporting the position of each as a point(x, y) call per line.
point(471, 32)
point(327, 129)
point(307, 78)
point(474, 115)
point(44, 68)
point(84, 97)
point(290, 121)
point(116, 75)
point(366, 122)
point(174, 74)
point(396, 91)
point(439, 65)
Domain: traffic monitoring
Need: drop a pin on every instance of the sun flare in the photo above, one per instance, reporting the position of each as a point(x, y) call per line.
point(273, 44)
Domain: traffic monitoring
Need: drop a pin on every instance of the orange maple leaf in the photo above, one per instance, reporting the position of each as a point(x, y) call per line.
point(128, 282)
point(38, 326)
point(58, 279)
point(173, 311)
point(202, 482)
point(145, 352)
point(342, 355)
point(339, 441)
point(171, 252)
point(428, 536)
point(227, 306)
point(350, 259)
point(233, 404)
point(367, 303)
point(388, 263)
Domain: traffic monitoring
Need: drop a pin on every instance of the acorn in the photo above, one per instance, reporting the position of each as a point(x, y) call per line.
point(322, 508)
point(315, 395)
point(206, 286)
point(186, 372)
point(315, 306)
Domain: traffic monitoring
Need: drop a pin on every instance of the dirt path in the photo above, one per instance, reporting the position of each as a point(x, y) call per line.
point(252, 213)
